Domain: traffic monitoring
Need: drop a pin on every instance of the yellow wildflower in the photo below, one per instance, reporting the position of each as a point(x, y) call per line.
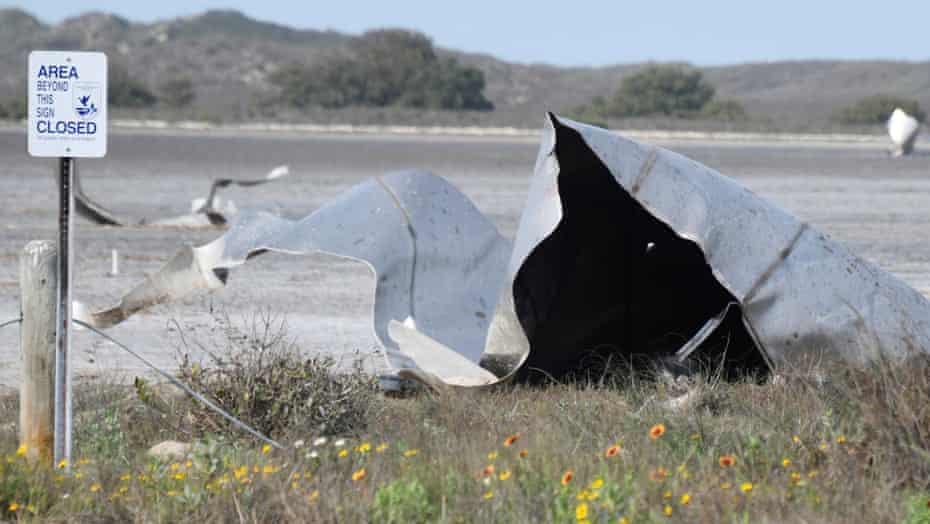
point(189, 464)
point(359, 475)
point(175, 467)
point(179, 476)
point(266, 449)
point(171, 493)
point(62, 464)
point(840, 439)
point(746, 487)
point(95, 487)
point(269, 468)
point(785, 462)
point(14, 507)
point(667, 510)
point(411, 452)
point(505, 475)
point(583, 495)
point(598, 483)
point(489, 495)
point(240, 472)
point(343, 453)
point(381, 448)
point(21, 451)
point(726, 485)
point(667, 495)
point(126, 477)
point(796, 439)
point(492, 455)
point(123, 489)
point(313, 496)
point(581, 511)
point(363, 448)
point(685, 499)
point(623, 520)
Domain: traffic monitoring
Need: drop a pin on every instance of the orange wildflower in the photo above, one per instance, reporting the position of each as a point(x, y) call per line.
point(359, 475)
point(612, 451)
point(726, 461)
point(511, 439)
point(567, 477)
point(487, 471)
point(659, 475)
point(657, 431)
point(524, 453)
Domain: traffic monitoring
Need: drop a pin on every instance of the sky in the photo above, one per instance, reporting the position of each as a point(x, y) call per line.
point(585, 33)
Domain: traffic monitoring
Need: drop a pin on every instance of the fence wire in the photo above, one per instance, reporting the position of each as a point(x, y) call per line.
point(10, 322)
point(197, 396)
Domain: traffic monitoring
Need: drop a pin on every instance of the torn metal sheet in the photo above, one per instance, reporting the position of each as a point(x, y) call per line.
point(903, 130)
point(630, 249)
point(205, 212)
point(623, 250)
point(438, 263)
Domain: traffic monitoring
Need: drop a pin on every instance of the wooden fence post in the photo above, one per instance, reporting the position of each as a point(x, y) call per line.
point(38, 280)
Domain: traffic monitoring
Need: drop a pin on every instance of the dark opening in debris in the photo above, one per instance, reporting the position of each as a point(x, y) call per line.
point(612, 281)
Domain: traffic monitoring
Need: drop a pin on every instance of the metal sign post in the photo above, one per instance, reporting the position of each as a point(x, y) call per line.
point(67, 112)
point(62, 444)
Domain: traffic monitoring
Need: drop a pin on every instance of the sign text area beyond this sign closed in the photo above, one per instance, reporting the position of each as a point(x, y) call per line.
point(67, 104)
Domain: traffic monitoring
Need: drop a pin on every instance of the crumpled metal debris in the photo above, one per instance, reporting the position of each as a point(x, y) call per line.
point(628, 248)
point(623, 249)
point(903, 130)
point(438, 263)
point(205, 212)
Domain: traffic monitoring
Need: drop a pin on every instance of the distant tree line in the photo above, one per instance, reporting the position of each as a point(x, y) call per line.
point(673, 91)
point(387, 67)
point(876, 109)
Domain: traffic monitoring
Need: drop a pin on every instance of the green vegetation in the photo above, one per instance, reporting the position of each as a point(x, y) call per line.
point(125, 91)
point(13, 108)
point(177, 92)
point(877, 108)
point(389, 67)
point(849, 448)
point(658, 90)
point(661, 90)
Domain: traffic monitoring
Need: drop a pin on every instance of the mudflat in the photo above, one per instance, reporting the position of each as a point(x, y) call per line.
point(855, 192)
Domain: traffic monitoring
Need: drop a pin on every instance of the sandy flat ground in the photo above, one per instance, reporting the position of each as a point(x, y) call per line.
point(854, 192)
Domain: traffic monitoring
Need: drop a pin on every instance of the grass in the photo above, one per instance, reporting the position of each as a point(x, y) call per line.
point(853, 447)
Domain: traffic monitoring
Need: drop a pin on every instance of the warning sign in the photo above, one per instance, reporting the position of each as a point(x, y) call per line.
point(67, 104)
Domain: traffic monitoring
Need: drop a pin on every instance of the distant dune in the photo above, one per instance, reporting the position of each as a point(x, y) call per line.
point(230, 57)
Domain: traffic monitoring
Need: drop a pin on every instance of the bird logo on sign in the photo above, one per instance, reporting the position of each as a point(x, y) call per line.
point(86, 98)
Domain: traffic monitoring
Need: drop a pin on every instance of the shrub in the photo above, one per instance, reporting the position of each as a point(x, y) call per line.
point(387, 67)
point(177, 92)
point(724, 110)
point(125, 91)
point(14, 108)
point(661, 90)
point(876, 109)
point(261, 378)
